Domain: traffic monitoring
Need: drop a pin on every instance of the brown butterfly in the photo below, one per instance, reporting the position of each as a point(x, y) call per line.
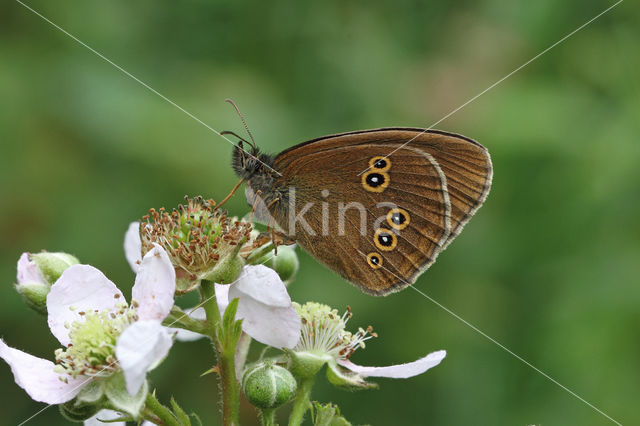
point(367, 204)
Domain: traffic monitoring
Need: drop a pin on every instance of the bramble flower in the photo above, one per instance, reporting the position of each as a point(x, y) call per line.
point(264, 306)
point(324, 340)
point(201, 241)
point(108, 345)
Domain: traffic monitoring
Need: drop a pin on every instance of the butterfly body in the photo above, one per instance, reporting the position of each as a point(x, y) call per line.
point(367, 204)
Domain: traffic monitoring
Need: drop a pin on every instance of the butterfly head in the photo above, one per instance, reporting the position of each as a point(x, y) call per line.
point(250, 162)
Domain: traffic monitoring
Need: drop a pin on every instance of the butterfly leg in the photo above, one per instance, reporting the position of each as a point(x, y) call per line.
point(271, 226)
point(255, 203)
point(233, 191)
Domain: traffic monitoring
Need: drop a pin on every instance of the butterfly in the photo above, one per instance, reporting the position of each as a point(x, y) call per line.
point(376, 206)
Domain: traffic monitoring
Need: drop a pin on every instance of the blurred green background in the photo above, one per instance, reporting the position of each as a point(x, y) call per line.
point(549, 266)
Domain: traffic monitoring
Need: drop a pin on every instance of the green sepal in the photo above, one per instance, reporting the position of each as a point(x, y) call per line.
point(92, 392)
point(34, 295)
point(304, 365)
point(226, 271)
point(76, 411)
point(347, 380)
point(52, 265)
point(116, 391)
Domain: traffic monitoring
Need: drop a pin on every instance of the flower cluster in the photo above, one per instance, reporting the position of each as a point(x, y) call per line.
point(109, 345)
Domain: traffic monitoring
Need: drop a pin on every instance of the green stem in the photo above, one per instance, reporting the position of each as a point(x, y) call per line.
point(160, 411)
point(229, 386)
point(268, 417)
point(257, 255)
point(302, 402)
point(180, 319)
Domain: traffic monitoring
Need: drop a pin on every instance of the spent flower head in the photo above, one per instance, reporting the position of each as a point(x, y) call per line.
point(201, 240)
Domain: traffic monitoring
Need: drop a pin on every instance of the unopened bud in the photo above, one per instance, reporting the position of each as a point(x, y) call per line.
point(267, 385)
point(285, 263)
point(36, 274)
point(52, 265)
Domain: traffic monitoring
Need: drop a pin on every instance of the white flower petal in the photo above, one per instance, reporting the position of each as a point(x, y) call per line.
point(104, 415)
point(222, 297)
point(28, 271)
point(183, 335)
point(80, 288)
point(36, 376)
point(155, 285)
point(262, 284)
point(277, 327)
point(265, 306)
point(140, 346)
point(400, 371)
point(133, 246)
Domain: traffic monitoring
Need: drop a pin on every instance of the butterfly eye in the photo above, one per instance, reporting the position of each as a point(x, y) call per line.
point(375, 181)
point(380, 164)
point(385, 240)
point(374, 260)
point(398, 218)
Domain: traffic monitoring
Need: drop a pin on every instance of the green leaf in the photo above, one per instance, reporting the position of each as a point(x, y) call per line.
point(327, 415)
point(195, 416)
point(229, 316)
point(229, 330)
point(180, 413)
point(117, 394)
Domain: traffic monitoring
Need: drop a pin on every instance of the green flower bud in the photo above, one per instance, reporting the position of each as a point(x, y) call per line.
point(52, 265)
point(36, 273)
point(285, 263)
point(267, 385)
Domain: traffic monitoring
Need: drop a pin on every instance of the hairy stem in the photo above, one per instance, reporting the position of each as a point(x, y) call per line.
point(302, 402)
point(268, 417)
point(229, 386)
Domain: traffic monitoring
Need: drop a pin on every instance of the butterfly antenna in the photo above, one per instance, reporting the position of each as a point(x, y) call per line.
point(253, 142)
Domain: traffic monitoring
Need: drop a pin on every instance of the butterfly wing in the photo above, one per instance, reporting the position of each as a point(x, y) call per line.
point(404, 202)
